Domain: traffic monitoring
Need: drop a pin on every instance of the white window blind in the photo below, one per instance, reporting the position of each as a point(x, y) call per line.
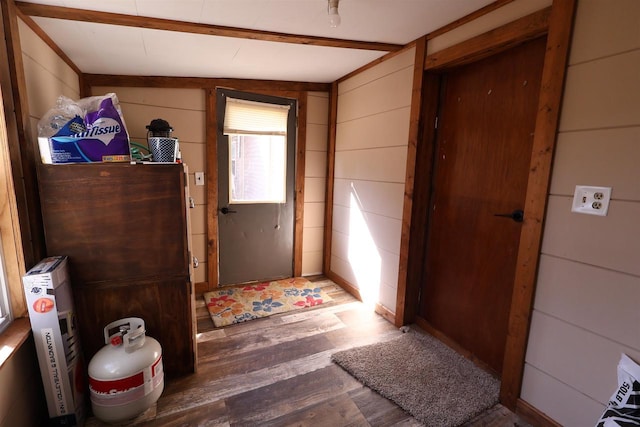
point(255, 118)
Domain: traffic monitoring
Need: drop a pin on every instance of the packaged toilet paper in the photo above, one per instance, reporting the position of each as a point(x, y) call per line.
point(88, 130)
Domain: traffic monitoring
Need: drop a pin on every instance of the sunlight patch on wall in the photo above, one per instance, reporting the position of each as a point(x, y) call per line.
point(5, 352)
point(363, 255)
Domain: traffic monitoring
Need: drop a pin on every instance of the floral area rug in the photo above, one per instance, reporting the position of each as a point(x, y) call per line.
point(237, 304)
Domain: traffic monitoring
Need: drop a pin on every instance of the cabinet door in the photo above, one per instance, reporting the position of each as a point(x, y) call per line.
point(164, 305)
point(116, 221)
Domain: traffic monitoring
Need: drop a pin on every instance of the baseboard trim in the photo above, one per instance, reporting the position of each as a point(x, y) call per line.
point(533, 415)
point(383, 311)
point(344, 284)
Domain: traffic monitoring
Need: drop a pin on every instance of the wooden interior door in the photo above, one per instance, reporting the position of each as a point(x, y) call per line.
point(483, 148)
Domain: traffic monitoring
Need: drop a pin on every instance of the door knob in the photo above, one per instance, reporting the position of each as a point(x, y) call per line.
point(517, 215)
point(226, 210)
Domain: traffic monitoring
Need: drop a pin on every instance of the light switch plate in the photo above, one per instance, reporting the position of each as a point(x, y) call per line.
point(199, 178)
point(591, 200)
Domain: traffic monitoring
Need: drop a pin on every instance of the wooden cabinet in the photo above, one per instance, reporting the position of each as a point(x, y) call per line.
point(125, 230)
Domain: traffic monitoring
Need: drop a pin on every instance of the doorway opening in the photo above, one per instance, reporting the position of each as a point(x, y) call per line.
point(480, 169)
point(256, 148)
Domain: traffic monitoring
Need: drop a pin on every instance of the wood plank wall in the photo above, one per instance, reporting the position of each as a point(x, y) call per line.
point(315, 181)
point(20, 375)
point(372, 133)
point(586, 307)
point(46, 76)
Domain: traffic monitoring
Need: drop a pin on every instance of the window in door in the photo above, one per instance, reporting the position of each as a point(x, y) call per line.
point(257, 134)
point(257, 169)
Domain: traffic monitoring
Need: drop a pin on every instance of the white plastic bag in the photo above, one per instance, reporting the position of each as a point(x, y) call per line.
point(623, 409)
point(88, 130)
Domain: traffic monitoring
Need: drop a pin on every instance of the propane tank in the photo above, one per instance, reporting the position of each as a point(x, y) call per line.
point(126, 375)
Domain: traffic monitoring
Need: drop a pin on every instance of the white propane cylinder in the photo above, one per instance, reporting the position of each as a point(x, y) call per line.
point(126, 375)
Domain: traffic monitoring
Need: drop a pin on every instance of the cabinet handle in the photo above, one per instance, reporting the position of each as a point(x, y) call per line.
point(195, 261)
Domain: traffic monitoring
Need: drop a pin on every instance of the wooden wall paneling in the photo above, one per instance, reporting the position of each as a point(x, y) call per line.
point(376, 62)
point(406, 303)
point(82, 15)
point(331, 160)
point(573, 291)
point(301, 149)
point(381, 95)
point(613, 96)
point(615, 249)
point(491, 42)
point(561, 346)
point(371, 165)
point(22, 151)
point(212, 191)
point(371, 160)
point(562, 402)
point(614, 162)
point(593, 19)
point(13, 204)
point(549, 103)
point(205, 83)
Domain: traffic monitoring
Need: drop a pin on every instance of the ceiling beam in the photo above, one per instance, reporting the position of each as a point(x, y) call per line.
point(45, 11)
point(203, 83)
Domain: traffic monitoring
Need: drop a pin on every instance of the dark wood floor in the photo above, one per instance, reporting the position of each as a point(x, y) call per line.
point(277, 371)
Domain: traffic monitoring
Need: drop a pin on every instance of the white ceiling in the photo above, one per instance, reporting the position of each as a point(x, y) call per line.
point(109, 49)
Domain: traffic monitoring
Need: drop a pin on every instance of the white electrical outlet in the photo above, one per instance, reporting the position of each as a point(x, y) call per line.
point(199, 178)
point(591, 200)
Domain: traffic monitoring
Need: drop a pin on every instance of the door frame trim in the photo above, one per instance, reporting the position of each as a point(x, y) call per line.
point(557, 23)
point(212, 179)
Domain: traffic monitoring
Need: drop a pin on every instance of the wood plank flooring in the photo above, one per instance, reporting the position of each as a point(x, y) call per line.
point(277, 371)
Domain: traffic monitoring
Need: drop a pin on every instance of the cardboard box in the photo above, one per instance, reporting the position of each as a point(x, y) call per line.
point(48, 293)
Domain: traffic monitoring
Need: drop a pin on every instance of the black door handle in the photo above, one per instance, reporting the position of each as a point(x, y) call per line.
point(226, 210)
point(517, 215)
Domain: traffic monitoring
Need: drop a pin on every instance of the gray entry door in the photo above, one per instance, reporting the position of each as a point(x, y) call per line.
point(256, 191)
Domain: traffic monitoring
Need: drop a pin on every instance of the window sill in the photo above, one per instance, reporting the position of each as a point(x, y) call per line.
point(13, 337)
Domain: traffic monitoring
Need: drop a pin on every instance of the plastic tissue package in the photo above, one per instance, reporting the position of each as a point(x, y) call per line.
point(624, 406)
point(88, 130)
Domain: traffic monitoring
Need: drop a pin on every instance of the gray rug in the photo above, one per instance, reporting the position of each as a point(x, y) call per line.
point(427, 379)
